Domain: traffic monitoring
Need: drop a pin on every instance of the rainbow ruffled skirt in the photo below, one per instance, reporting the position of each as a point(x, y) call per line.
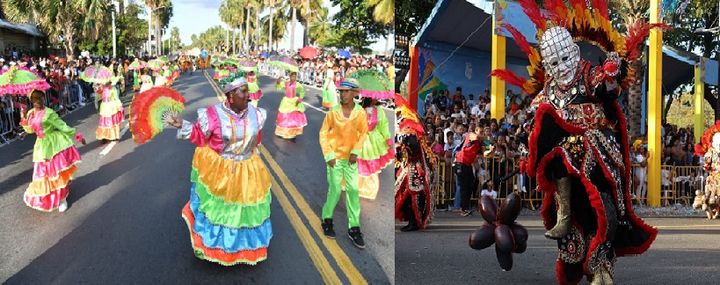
point(228, 214)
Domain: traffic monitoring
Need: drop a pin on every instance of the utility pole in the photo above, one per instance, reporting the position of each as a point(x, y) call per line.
point(150, 31)
point(114, 3)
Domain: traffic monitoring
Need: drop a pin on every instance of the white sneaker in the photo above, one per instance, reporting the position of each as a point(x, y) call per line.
point(63, 206)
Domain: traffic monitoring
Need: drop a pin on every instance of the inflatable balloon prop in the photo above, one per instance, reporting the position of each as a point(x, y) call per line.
point(500, 229)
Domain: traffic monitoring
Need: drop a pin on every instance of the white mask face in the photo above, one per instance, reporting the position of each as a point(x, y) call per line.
point(560, 55)
point(716, 141)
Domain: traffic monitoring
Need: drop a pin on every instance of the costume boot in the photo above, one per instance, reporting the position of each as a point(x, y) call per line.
point(563, 214)
point(602, 277)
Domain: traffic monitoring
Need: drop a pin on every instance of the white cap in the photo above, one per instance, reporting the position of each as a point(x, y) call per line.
point(235, 84)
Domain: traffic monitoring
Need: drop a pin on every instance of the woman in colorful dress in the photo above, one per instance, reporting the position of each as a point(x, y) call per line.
point(291, 116)
point(162, 77)
point(110, 114)
point(228, 214)
point(377, 151)
point(54, 156)
point(136, 80)
point(254, 88)
point(329, 93)
point(147, 81)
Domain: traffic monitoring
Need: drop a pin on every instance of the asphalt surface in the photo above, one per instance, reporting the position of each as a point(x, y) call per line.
point(683, 253)
point(124, 225)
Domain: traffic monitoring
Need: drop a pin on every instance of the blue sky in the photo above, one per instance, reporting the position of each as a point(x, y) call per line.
point(195, 16)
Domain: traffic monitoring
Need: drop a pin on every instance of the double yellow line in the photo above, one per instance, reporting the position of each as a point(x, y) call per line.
point(313, 249)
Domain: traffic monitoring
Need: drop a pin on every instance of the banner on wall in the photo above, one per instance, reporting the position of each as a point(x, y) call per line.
point(441, 69)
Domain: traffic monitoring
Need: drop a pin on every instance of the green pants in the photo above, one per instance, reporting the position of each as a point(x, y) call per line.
point(343, 170)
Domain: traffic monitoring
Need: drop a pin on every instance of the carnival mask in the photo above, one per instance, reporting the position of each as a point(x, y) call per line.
point(560, 55)
point(716, 141)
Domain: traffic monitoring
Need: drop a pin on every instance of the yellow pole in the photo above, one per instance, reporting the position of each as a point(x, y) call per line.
point(497, 86)
point(699, 99)
point(654, 108)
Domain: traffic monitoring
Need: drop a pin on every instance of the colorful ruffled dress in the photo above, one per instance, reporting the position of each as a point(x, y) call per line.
point(110, 116)
point(377, 152)
point(54, 156)
point(136, 81)
point(147, 83)
point(228, 214)
point(162, 78)
point(329, 92)
point(254, 89)
point(291, 116)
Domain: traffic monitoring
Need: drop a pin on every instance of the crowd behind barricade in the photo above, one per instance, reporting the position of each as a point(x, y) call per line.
point(312, 71)
point(450, 117)
point(67, 91)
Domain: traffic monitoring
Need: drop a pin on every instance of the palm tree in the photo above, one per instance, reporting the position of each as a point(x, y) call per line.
point(384, 11)
point(58, 19)
point(95, 14)
point(162, 11)
point(631, 11)
point(309, 12)
point(271, 4)
point(231, 13)
point(319, 31)
point(275, 34)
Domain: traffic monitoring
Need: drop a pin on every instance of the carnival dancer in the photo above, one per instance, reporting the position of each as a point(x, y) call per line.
point(709, 149)
point(228, 214)
point(378, 149)
point(161, 78)
point(136, 80)
point(414, 201)
point(110, 113)
point(54, 156)
point(147, 81)
point(342, 135)
point(291, 115)
point(578, 147)
point(254, 88)
point(329, 93)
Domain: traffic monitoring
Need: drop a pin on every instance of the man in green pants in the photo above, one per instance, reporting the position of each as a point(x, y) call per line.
point(341, 138)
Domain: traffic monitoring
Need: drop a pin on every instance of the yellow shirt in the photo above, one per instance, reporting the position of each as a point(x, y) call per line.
point(340, 136)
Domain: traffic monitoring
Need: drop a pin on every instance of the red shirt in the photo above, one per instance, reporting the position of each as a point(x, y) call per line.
point(468, 152)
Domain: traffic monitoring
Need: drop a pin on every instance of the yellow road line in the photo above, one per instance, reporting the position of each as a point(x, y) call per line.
point(326, 271)
point(213, 84)
point(343, 261)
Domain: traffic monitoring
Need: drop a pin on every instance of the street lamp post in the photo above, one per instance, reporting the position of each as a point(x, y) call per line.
point(114, 4)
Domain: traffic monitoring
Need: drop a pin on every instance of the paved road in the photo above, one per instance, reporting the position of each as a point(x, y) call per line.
point(124, 224)
point(683, 253)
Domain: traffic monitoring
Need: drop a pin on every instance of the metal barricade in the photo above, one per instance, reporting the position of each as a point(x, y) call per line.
point(677, 188)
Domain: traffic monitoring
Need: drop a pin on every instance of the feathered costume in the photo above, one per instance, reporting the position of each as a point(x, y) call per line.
point(414, 199)
point(708, 148)
point(578, 148)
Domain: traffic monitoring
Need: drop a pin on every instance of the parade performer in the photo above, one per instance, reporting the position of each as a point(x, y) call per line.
point(329, 93)
point(254, 88)
point(414, 199)
point(709, 149)
point(54, 156)
point(342, 135)
point(291, 115)
point(136, 80)
point(578, 147)
point(147, 81)
point(228, 214)
point(110, 113)
point(161, 78)
point(378, 150)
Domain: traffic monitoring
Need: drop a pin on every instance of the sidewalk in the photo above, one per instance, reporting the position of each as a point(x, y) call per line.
point(531, 219)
